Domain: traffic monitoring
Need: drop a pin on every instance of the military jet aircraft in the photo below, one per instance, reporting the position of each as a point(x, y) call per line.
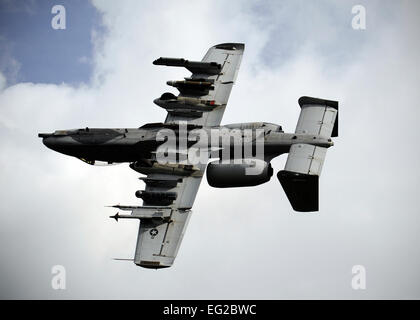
point(172, 185)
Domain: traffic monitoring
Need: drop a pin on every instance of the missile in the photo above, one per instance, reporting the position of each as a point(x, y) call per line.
point(123, 216)
point(115, 216)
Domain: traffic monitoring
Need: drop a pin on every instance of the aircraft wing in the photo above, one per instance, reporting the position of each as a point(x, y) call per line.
point(159, 239)
point(214, 89)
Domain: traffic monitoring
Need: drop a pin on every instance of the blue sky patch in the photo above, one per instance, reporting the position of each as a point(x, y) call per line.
point(31, 50)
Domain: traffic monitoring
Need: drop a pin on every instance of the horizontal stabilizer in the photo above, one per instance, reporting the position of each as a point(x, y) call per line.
point(300, 177)
point(301, 190)
point(318, 116)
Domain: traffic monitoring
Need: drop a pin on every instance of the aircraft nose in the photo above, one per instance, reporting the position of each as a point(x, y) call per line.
point(49, 142)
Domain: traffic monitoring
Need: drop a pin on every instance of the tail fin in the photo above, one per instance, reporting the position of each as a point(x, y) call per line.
point(301, 190)
point(304, 163)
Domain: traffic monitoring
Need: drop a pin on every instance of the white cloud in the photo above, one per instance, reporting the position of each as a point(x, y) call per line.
point(52, 205)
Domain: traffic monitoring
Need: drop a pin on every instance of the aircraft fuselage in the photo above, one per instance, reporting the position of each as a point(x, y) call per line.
point(130, 145)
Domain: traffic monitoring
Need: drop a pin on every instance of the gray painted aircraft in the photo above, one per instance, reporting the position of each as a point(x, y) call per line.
point(171, 186)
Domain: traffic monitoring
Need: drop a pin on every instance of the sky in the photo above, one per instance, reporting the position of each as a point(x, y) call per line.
point(244, 243)
point(41, 53)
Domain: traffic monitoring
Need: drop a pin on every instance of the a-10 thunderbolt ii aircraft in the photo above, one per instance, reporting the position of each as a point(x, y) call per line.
point(172, 185)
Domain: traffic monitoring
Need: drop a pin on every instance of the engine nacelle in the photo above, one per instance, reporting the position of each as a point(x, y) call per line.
point(231, 175)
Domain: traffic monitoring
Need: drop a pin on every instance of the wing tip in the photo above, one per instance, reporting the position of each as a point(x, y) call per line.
point(230, 46)
point(151, 264)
